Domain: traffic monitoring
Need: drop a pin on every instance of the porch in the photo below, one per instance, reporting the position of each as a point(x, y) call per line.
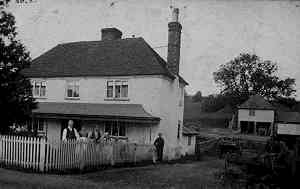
point(129, 122)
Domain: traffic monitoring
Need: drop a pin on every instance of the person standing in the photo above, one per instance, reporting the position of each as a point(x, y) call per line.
point(70, 133)
point(95, 135)
point(159, 145)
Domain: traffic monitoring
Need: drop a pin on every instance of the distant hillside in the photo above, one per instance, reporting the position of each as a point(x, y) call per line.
point(194, 115)
point(192, 110)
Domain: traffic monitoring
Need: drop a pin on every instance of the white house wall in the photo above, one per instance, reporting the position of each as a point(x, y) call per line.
point(171, 114)
point(159, 96)
point(260, 115)
point(141, 90)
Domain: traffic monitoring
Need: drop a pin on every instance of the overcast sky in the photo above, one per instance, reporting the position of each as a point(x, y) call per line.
point(213, 31)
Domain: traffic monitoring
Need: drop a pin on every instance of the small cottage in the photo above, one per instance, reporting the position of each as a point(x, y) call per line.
point(256, 116)
point(189, 139)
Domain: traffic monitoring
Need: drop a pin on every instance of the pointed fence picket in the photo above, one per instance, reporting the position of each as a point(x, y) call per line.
point(41, 155)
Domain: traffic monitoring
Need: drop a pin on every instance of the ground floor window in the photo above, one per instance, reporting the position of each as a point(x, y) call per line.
point(37, 126)
point(115, 128)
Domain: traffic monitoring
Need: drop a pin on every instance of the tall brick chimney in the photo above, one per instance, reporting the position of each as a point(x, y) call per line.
point(110, 34)
point(174, 38)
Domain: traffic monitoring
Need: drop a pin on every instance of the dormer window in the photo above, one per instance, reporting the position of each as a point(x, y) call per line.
point(117, 89)
point(72, 90)
point(39, 89)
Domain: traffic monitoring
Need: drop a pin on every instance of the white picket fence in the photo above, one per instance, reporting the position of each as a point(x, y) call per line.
point(41, 155)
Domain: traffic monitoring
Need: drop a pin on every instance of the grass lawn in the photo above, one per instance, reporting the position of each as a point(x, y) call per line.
point(194, 174)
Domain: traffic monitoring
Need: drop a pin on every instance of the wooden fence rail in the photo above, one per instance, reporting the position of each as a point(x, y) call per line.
point(41, 155)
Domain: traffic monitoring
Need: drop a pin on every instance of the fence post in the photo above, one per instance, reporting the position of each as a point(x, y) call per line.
point(81, 155)
point(42, 154)
point(153, 154)
point(112, 160)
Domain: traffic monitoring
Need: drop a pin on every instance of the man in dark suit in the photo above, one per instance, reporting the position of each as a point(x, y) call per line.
point(159, 145)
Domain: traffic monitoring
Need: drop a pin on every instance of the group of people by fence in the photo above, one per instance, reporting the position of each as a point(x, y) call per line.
point(70, 133)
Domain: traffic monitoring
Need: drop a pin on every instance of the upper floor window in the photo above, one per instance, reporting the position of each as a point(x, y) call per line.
point(251, 112)
point(117, 89)
point(39, 89)
point(72, 89)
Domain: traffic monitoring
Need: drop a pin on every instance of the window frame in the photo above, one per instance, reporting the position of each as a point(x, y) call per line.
point(39, 84)
point(189, 140)
point(73, 84)
point(109, 125)
point(114, 83)
point(37, 124)
point(251, 112)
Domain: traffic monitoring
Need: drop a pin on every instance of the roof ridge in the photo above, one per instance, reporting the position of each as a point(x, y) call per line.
point(100, 41)
point(159, 59)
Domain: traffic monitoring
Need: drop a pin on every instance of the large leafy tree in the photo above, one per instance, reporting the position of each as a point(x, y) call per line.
point(247, 74)
point(16, 101)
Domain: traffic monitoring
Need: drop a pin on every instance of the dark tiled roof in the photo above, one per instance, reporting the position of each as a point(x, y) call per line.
point(135, 111)
point(189, 130)
point(257, 102)
point(288, 117)
point(121, 57)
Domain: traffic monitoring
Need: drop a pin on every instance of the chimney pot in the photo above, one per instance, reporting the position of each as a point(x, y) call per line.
point(110, 34)
point(175, 14)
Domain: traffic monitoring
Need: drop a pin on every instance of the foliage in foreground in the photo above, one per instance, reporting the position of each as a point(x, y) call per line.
point(16, 99)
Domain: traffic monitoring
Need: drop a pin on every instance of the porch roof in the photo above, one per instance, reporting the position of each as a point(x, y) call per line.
point(188, 129)
point(90, 111)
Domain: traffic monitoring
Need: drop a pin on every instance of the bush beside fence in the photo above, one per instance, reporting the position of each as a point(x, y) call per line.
point(40, 155)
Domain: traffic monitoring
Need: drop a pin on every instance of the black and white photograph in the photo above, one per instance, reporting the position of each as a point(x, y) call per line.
point(149, 94)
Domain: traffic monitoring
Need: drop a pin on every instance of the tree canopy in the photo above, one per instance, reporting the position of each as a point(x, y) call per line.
point(247, 75)
point(197, 97)
point(16, 99)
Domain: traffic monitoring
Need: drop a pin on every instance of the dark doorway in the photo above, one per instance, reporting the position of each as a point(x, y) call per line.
point(247, 127)
point(263, 128)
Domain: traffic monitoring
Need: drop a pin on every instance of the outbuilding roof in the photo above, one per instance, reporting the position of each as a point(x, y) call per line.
point(256, 102)
point(189, 130)
point(120, 57)
point(94, 111)
point(288, 117)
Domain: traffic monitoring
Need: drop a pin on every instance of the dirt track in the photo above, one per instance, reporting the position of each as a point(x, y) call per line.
point(183, 175)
